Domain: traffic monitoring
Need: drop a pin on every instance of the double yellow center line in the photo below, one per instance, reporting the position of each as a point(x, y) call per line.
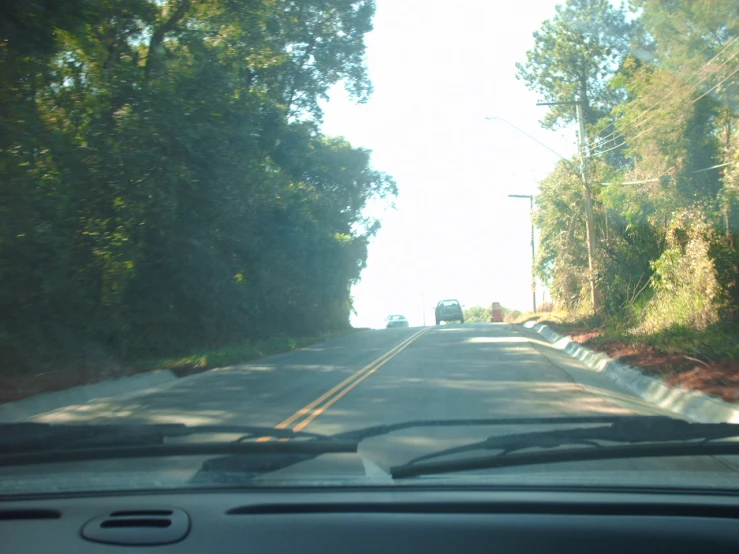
point(300, 419)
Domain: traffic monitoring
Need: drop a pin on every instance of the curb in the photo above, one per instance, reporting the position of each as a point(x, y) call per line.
point(50, 401)
point(693, 404)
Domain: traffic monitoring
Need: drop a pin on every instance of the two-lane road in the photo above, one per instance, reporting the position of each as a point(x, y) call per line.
point(389, 376)
point(382, 376)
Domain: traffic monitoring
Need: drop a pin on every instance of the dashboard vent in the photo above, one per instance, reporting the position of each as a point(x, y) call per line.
point(29, 513)
point(138, 527)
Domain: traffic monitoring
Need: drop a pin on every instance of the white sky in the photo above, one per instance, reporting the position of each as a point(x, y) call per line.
point(438, 68)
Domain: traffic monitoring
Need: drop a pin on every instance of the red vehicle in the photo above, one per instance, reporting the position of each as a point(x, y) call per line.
point(497, 316)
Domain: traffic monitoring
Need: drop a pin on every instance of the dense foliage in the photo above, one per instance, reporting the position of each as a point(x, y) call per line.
point(478, 313)
point(475, 314)
point(164, 183)
point(659, 81)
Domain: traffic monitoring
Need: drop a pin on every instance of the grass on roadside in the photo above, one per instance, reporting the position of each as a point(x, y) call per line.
point(715, 343)
point(239, 353)
point(554, 316)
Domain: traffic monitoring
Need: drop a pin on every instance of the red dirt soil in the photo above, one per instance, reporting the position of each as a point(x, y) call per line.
point(677, 370)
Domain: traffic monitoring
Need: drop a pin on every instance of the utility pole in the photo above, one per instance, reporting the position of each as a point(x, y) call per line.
point(589, 224)
point(423, 303)
point(533, 251)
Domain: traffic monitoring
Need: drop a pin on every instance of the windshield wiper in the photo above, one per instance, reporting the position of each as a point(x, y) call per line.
point(378, 430)
point(240, 469)
point(659, 433)
point(39, 443)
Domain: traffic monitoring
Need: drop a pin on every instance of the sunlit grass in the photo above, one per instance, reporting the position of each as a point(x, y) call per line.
point(521, 317)
point(716, 342)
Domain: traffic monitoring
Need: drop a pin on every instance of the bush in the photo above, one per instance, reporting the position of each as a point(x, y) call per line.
point(512, 316)
point(478, 313)
point(546, 307)
point(688, 290)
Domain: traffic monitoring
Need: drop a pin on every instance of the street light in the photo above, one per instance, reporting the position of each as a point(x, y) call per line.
point(533, 252)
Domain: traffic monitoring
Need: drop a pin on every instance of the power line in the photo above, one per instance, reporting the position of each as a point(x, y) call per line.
point(638, 123)
point(612, 148)
point(717, 85)
point(693, 102)
point(696, 72)
point(492, 118)
point(695, 86)
point(654, 180)
point(709, 168)
point(684, 97)
point(705, 47)
point(654, 114)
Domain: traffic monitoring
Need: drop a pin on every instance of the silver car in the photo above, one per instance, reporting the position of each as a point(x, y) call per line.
point(396, 321)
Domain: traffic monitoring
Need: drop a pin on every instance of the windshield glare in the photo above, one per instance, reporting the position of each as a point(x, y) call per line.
point(209, 210)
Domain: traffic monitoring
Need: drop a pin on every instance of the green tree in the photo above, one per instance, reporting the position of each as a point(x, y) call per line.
point(478, 314)
point(562, 258)
point(165, 186)
point(573, 57)
point(673, 125)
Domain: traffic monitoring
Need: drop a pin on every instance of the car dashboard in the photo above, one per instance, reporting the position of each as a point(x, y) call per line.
point(363, 520)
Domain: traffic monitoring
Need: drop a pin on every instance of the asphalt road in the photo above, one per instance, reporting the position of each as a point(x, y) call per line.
point(368, 378)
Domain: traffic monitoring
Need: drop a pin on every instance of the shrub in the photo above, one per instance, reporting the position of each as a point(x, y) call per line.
point(546, 307)
point(688, 290)
point(512, 316)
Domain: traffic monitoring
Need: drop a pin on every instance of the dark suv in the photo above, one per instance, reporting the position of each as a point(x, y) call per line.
point(449, 310)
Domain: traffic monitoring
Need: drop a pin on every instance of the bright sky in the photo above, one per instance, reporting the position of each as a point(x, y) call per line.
point(438, 68)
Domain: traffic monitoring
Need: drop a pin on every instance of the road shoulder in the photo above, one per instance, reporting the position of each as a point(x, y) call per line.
point(691, 404)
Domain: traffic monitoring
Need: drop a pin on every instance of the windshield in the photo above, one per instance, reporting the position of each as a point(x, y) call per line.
point(208, 210)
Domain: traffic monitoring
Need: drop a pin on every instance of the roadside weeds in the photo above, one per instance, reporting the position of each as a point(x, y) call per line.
point(705, 361)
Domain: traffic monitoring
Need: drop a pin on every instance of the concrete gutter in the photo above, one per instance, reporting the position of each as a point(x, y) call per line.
point(47, 402)
point(691, 404)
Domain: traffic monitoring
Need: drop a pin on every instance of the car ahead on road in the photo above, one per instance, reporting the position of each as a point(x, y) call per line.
point(396, 321)
point(449, 310)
